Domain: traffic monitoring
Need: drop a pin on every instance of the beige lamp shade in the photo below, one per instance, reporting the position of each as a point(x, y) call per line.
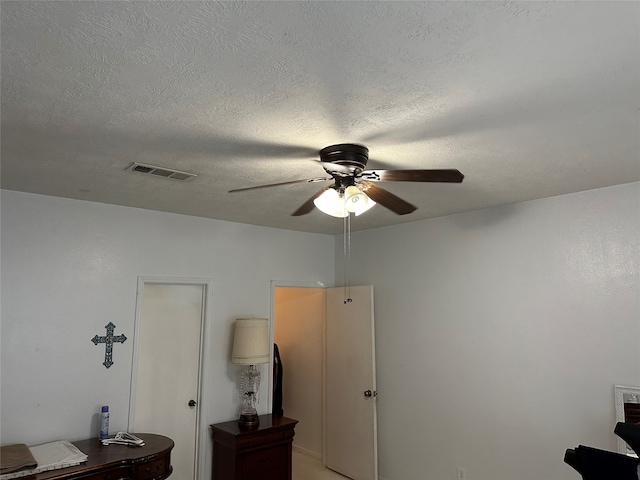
point(251, 341)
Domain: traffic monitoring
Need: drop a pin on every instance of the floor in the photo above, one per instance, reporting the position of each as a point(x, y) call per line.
point(306, 467)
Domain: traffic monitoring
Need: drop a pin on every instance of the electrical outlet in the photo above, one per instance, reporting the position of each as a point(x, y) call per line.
point(462, 474)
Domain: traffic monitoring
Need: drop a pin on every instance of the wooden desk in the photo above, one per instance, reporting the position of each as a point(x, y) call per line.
point(260, 453)
point(115, 462)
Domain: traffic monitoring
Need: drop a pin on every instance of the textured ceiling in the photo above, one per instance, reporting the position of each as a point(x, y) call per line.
point(527, 99)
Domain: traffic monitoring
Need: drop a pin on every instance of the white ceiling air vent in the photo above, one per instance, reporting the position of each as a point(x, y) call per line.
point(161, 171)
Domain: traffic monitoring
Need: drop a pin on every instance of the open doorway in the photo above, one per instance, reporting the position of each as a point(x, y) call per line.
point(298, 331)
point(326, 347)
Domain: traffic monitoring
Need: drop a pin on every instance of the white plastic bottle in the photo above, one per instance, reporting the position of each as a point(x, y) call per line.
point(104, 423)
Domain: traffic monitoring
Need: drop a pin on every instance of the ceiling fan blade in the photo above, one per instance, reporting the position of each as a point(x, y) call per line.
point(307, 206)
point(386, 198)
point(305, 180)
point(442, 175)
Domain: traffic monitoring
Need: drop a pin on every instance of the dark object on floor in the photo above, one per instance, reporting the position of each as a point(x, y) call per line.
point(596, 464)
point(630, 433)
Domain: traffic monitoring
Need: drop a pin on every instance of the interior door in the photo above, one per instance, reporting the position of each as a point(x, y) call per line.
point(350, 438)
point(168, 352)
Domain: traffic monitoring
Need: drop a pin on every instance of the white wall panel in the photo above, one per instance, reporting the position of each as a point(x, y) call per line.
point(70, 267)
point(501, 333)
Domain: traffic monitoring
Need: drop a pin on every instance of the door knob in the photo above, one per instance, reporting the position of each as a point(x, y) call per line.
point(369, 393)
point(192, 403)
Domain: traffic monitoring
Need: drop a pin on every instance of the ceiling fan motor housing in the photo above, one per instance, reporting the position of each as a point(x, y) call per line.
point(347, 154)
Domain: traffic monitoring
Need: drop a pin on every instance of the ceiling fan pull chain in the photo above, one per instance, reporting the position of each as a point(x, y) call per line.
point(347, 257)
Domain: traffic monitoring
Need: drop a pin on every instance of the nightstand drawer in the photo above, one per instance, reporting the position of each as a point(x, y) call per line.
point(282, 436)
point(276, 474)
point(264, 460)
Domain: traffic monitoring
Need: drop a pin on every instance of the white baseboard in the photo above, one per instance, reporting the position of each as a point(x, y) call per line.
point(306, 452)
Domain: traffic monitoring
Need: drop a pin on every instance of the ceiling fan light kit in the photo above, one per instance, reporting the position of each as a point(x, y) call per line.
point(342, 202)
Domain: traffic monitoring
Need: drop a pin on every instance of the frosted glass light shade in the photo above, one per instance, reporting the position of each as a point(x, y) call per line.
point(331, 203)
point(365, 207)
point(251, 341)
point(356, 201)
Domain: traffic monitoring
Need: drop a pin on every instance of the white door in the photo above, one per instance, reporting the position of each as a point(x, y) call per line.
point(350, 440)
point(168, 352)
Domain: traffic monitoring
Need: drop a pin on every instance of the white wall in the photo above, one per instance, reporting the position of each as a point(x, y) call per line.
point(298, 329)
point(70, 267)
point(501, 333)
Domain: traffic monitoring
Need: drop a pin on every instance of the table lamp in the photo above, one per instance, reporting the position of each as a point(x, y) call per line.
point(251, 348)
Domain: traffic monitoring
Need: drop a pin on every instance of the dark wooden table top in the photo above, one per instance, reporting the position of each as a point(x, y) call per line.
point(101, 457)
point(266, 422)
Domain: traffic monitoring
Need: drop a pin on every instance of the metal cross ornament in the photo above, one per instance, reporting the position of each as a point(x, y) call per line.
point(108, 340)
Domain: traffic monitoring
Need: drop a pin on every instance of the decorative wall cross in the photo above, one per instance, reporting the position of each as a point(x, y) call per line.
point(108, 340)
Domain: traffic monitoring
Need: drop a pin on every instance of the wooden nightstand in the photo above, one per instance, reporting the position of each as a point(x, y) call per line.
point(260, 453)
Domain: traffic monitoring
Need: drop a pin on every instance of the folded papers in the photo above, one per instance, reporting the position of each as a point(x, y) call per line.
point(48, 456)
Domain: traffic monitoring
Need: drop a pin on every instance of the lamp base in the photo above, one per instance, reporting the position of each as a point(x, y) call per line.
point(248, 420)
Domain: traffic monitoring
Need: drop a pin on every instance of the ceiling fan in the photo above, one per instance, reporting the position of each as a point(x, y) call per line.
point(354, 187)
